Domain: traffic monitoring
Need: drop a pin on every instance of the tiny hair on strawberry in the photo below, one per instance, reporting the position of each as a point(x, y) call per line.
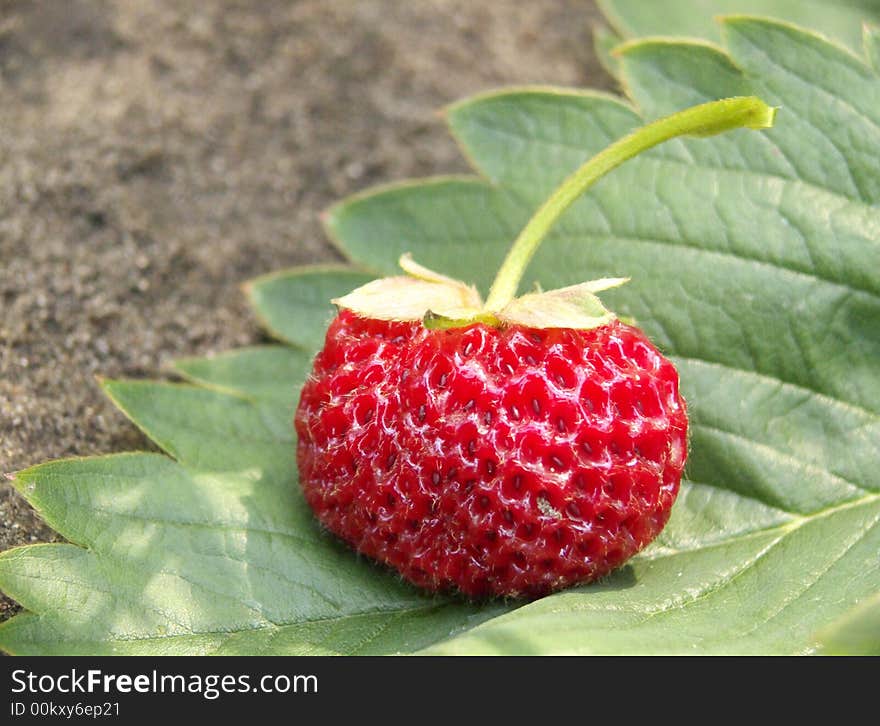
point(509, 447)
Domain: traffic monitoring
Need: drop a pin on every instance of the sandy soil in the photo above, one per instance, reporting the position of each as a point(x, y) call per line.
point(156, 153)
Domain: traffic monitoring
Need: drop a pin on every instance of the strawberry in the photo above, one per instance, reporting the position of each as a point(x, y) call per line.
point(509, 461)
point(506, 448)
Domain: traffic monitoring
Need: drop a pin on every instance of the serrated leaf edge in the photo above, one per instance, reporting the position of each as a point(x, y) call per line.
point(728, 21)
point(248, 287)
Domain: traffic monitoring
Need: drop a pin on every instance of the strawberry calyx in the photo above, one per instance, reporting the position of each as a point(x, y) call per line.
point(442, 302)
point(419, 293)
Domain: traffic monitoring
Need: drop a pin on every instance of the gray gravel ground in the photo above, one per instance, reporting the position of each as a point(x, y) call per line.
point(156, 153)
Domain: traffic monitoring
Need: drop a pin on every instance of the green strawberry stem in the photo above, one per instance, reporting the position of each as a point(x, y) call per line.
point(706, 119)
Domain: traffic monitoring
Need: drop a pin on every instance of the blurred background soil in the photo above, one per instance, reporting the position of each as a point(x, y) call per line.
point(154, 154)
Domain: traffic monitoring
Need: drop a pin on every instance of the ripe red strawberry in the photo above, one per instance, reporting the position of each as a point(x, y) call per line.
point(508, 461)
point(511, 447)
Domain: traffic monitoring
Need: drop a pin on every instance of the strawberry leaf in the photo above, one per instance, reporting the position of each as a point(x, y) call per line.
point(605, 40)
point(855, 633)
point(871, 38)
point(294, 305)
point(839, 19)
point(755, 264)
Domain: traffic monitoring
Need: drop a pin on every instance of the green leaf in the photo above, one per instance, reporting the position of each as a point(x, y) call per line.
point(268, 375)
point(605, 41)
point(378, 227)
point(855, 633)
point(840, 19)
point(294, 305)
point(184, 560)
point(871, 39)
point(755, 264)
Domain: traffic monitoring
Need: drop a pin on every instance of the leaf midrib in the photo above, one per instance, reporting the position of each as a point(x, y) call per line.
point(788, 602)
point(784, 530)
point(795, 522)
